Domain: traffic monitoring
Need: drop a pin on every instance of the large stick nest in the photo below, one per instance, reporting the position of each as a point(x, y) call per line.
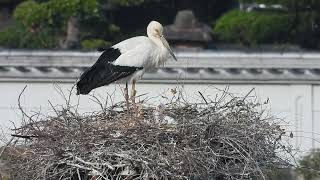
point(222, 138)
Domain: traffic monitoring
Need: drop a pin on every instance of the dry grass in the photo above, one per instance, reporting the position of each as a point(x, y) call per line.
point(226, 137)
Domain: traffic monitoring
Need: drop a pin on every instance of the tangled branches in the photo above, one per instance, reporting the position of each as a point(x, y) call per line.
point(224, 138)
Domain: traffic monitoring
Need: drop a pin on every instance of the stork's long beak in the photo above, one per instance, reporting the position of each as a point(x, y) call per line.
point(166, 44)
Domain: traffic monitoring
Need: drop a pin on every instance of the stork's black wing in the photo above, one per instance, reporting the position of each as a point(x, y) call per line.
point(103, 72)
point(108, 55)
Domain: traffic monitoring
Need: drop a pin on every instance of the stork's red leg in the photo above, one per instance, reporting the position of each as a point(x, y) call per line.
point(133, 92)
point(126, 95)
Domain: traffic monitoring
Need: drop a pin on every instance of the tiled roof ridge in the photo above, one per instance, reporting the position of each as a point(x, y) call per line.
point(193, 67)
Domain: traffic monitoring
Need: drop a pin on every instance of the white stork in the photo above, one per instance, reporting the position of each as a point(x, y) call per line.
point(127, 60)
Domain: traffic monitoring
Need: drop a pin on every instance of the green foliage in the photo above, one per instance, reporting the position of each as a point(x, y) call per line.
point(284, 2)
point(92, 44)
point(30, 13)
point(253, 27)
point(43, 21)
point(9, 37)
point(17, 36)
point(305, 15)
point(126, 2)
point(131, 2)
point(310, 165)
point(291, 4)
point(69, 8)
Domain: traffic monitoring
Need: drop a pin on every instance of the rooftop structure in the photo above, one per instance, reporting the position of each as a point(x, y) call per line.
point(207, 66)
point(187, 31)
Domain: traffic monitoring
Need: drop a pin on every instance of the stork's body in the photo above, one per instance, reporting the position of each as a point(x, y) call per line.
point(127, 60)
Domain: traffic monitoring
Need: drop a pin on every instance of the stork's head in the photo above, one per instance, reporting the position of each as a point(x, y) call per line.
point(155, 31)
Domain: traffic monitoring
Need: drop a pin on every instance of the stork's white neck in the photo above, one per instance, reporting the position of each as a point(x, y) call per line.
point(157, 41)
point(161, 53)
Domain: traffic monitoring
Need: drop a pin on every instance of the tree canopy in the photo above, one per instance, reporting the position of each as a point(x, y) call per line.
point(61, 19)
point(291, 4)
point(301, 26)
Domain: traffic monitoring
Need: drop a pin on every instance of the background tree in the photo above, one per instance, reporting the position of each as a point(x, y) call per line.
point(62, 16)
point(57, 24)
point(254, 28)
point(306, 16)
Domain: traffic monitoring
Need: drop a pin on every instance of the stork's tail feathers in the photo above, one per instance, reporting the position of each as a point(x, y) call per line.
point(82, 88)
point(88, 81)
point(92, 78)
point(97, 75)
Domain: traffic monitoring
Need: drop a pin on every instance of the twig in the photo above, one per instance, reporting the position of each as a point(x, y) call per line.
point(203, 97)
point(23, 136)
point(19, 103)
point(248, 94)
